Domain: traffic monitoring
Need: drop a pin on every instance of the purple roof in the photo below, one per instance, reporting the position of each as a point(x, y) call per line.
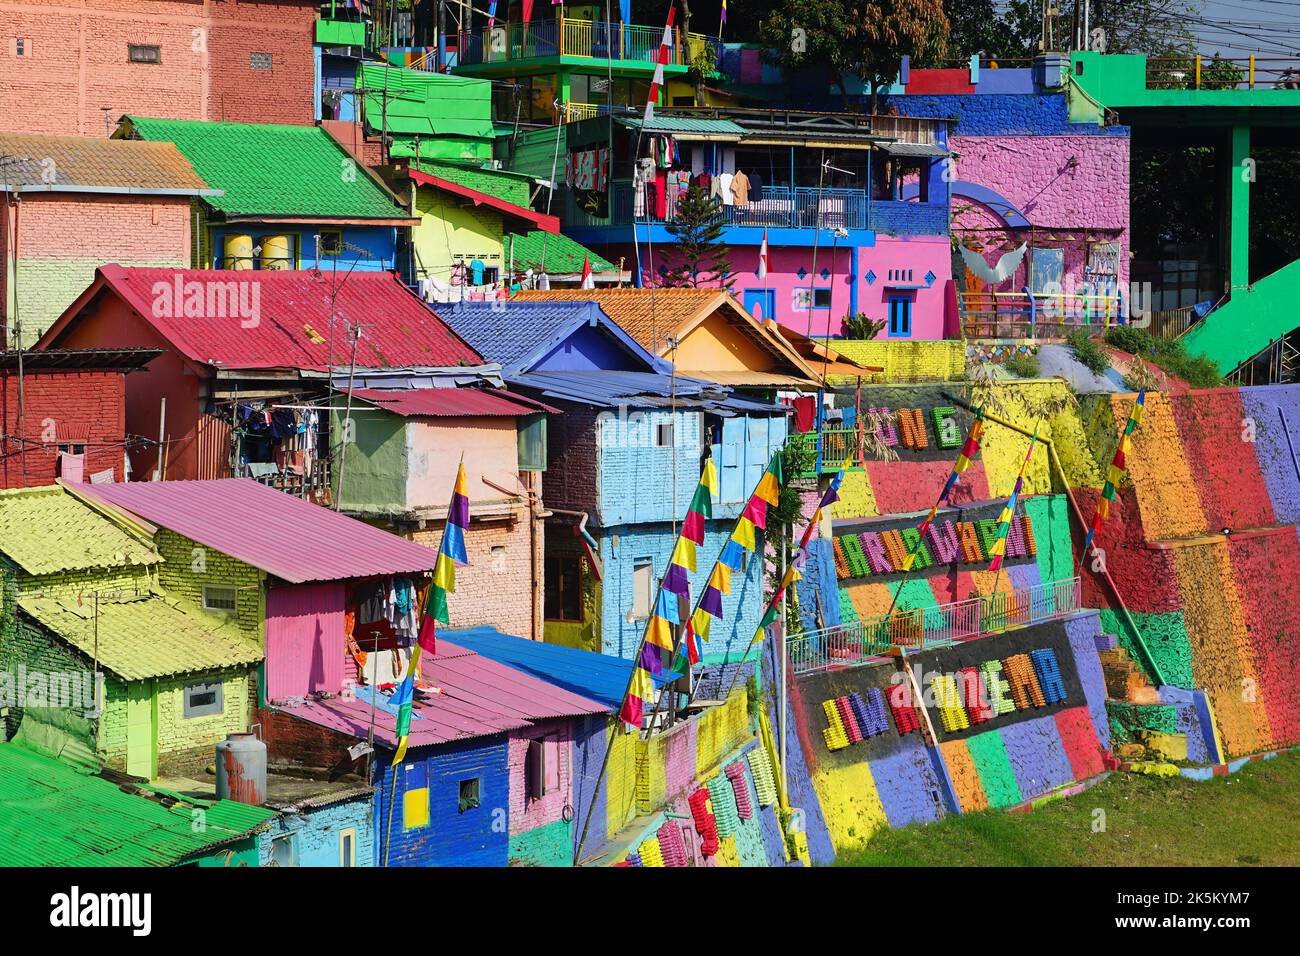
point(288, 537)
point(479, 698)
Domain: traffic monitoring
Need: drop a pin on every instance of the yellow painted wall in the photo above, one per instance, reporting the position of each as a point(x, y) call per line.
point(717, 346)
point(850, 803)
point(938, 361)
point(447, 227)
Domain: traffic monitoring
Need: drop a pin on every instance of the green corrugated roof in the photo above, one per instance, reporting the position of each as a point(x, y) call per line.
point(130, 632)
point(535, 152)
point(47, 530)
point(512, 187)
point(427, 104)
point(271, 170)
point(686, 124)
point(561, 254)
point(52, 814)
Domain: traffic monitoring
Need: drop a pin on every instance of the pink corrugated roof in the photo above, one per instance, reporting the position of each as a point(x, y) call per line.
point(468, 402)
point(397, 328)
point(292, 539)
point(479, 698)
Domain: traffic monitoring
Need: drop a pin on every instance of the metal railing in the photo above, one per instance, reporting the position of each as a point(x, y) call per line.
point(868, 641)
point(778, 207)
point(1026, 314)
point(571, 37)
point(829, 450)
point(1222, 73)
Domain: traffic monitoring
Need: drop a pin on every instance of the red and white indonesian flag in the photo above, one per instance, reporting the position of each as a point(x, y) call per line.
point(762, 259)
point(588, 280)
point(665, 49)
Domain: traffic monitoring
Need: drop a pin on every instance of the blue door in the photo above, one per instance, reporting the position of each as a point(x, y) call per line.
point(900, 316)
point(760, 303)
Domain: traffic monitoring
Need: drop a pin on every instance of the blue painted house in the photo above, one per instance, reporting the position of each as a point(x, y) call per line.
point(623, 461)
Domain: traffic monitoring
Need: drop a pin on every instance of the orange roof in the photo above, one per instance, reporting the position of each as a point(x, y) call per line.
point(652, 315)
point(820, 354)
point(73, 163)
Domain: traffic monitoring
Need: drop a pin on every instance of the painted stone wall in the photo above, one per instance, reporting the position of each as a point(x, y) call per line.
point(316, 834)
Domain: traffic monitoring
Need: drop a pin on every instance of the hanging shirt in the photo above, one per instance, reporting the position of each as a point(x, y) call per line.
point(740, 189)
point(724, 181)
point(477, 267)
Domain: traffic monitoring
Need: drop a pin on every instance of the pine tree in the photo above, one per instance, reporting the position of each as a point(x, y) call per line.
point(701, 256)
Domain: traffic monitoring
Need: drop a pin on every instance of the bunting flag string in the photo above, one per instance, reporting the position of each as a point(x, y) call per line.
point(665, 50)
point(674, 593)
point(743, 538)
point(969, 449)
point(451, 552)
point(1117, 468)
point(999, 547)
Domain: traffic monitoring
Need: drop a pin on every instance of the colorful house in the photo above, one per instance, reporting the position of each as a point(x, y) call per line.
point(84, 605)
point(401, 471)
point(71, 422)
point(705, 333)
point(1041, 200)
point(842, 240)
point(423, 113)
point(320, 209)
point(622, 463)
point(95, 818)
point(75, 203)
point(245, 356)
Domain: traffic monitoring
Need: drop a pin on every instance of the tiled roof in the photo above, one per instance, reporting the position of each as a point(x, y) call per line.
point(511, 187)
point(47, 530)
point(518, 334)
point(479, 698)
point(558, 253)
point(292, 322)
point(54, 814)
point(149, 636)
point(288, 537)
point(451, 402)
point(274, 171)
point(64, 162)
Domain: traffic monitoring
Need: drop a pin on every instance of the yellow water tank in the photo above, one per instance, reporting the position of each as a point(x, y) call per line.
point(277, 252)
point(237, 252)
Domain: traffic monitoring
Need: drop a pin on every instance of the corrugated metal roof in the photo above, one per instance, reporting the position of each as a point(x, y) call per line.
point(292, 539)
point(108, 360)
point(914, 149)
point(685, 126)
point(46, 531)
point(126, 635)
point(642, 390)
point(542, 221)
point(52, 814)
point(597, 676)
point(451, 402)
point(292, 323)
point(479, 698)
point(68, 163)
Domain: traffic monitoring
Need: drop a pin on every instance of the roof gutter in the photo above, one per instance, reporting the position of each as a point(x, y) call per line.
point(112, 190)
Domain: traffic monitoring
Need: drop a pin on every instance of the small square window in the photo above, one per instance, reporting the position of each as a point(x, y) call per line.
point(203, 700)
point(218, 598)
point(73, 449)
point(331, 242)
point(259, 61)
point(664, 435)
point(821, 298)
point(469, 794)
point(143, 53)
point(22, 46)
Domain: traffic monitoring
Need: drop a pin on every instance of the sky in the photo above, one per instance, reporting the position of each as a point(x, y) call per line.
point(1238, 28)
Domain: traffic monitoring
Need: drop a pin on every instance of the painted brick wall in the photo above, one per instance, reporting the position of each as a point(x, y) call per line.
point(76, 62)
point(186, 743)
point(187, 566)
point(983, 114)
point(907, 361)
point(63, 406)
point(316, 832)
point(529, 813)
point(494, 588)
point(636, 477)
point(571, 459)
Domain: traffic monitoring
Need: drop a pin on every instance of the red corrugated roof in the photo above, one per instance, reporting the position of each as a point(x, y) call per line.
point(479, 698)
point(544, 222)
point(468, 402)
point(292, 539)
point(282, 319)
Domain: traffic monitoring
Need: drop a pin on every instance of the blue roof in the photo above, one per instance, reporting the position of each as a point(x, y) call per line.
point(520, 334)
point(642, 390)
point(600, 677)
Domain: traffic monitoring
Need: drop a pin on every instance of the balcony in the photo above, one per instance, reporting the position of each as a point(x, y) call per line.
point(773, 207)
point(539, 39)
point(831, 449)
point(896, 218)
point(920, 629)
point(1025, 314)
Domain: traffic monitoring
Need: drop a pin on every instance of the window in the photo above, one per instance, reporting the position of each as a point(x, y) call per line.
point(21, 46)
point(900, 316)
point(259, 61)
point(532, 443)
point(283, 852)
point(642, 587)
point(563, 587)
point(543, 767)
point(331, 242)
point(73, 449)
point(664, 434)
point(217, 598)
point(469, 794)
point(348, 847)
point(143, 53)
point(203, 700)
point(821, 298)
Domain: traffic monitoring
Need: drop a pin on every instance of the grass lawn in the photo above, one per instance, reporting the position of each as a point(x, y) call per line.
point(1245, 819)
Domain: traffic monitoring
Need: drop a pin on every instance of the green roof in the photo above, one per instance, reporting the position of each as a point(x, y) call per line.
point(686, 124)
point(274, 171)
point(148, 636)
point(46, 531)
point(512, 187)
point(560, 253)
point(52, 814)
point(420, 103)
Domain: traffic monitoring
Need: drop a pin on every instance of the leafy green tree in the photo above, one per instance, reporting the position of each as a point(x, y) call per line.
point(701, 256)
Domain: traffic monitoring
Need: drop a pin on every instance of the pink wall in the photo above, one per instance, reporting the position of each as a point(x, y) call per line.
point(526, 814)
point(304, 640)
point(1063, 201)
